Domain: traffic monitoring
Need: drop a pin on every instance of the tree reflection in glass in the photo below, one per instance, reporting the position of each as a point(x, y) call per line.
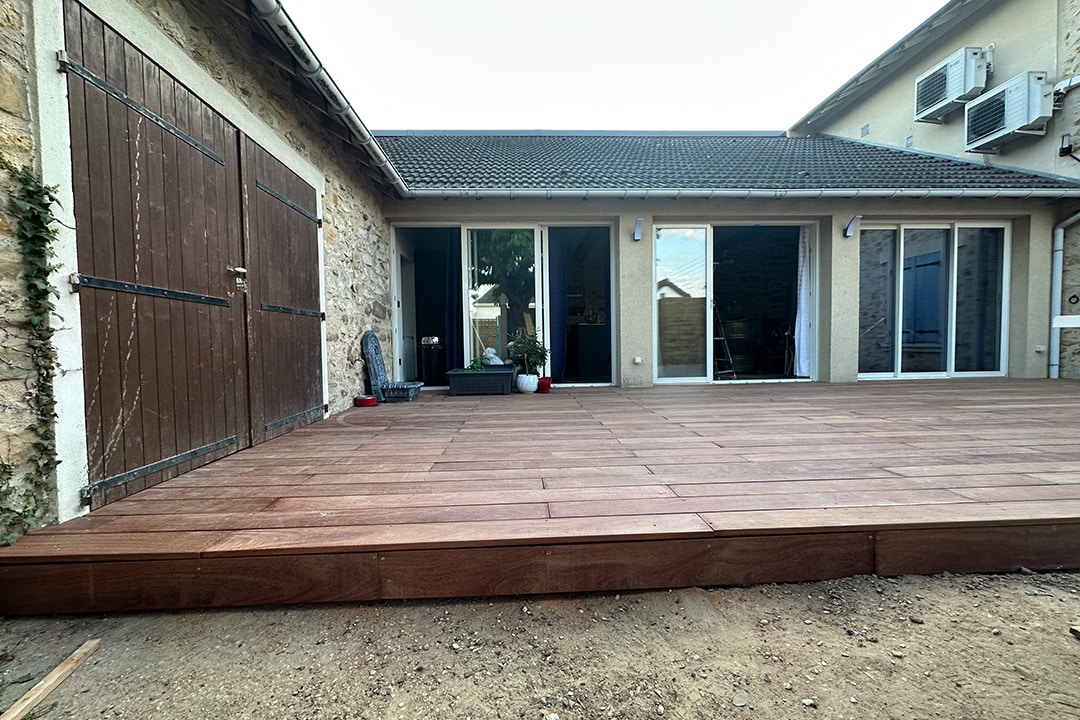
point(502, 286)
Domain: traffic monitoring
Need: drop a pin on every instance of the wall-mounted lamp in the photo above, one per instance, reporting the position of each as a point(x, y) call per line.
point(852, 226)
point(637, 228)
point(1066, 147)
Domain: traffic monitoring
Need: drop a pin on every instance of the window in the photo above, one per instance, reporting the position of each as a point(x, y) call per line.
point(932, 300)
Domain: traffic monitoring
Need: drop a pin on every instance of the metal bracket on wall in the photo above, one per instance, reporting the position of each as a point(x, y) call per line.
point(89, 281)
point(87, 493)
point(69, 65)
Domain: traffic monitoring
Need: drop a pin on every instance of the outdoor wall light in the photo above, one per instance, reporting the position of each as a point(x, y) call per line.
point(852, 226)
point(1066, 148)
point(637, 228)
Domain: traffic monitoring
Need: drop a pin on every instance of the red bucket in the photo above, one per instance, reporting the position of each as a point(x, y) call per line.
point(545, 385)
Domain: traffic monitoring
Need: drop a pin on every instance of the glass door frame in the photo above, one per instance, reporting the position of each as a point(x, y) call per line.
point(808, 233)
point(954, 229)
point(539, 282)
point(708, 360)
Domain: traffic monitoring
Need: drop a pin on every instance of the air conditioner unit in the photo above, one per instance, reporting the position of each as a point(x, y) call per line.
point(1021, 106)
point(946, 86)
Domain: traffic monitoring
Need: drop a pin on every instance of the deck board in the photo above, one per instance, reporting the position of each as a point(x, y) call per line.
point(589, 489)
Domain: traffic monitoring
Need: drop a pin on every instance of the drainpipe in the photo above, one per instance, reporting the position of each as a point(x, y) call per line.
point(282, 26)
point(1057, 283)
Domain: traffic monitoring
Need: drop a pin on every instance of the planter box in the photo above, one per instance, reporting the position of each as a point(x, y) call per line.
point(492, 380)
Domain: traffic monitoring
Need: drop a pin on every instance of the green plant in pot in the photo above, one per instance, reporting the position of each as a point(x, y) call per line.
point(529, 355)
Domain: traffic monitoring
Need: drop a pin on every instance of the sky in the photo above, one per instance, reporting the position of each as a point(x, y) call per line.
point(724, 65)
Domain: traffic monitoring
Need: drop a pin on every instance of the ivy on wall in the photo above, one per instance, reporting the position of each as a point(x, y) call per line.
point(26, 500)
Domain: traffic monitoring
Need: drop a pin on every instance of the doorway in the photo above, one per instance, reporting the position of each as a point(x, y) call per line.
point(198, 275)
point(755, 301)
point(579, 292)
point(429, 322)
point(733, 302)
point(465, 289)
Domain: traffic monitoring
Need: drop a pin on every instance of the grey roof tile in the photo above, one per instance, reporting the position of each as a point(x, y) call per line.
point(707, 161)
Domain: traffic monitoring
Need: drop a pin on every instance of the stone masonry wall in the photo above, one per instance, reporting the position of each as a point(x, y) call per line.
point(1069, 39)
point(17, 375)
point(356, 235)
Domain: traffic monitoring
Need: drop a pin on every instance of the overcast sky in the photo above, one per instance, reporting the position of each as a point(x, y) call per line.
point(597, 64)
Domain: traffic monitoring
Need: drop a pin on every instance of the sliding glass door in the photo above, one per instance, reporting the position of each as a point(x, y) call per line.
point(502, 287)
point(682, 290)
point(932, 301)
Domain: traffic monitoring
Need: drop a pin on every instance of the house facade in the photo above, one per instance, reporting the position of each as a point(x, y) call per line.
point(720, 257)
point(1004, 66)
point(228, 229)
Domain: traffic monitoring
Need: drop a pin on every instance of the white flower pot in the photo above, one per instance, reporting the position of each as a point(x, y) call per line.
point(527, 383)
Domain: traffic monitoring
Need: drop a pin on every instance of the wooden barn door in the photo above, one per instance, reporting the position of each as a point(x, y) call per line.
point(165, 259)
point(285, 325)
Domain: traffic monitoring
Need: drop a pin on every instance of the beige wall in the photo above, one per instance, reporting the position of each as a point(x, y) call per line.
point(836, 298)
point(1026, 35)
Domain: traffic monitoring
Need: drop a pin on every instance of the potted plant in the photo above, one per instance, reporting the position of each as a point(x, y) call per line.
point(529, 354)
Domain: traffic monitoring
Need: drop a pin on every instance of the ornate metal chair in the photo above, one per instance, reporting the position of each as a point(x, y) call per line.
point(384, 389)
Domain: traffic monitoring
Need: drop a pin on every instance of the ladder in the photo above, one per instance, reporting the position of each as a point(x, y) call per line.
point(720, 336)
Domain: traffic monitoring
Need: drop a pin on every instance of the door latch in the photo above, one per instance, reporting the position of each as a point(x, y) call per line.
point(241, 278)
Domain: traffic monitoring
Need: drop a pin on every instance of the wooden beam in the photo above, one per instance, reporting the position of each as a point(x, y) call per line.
point(39, 692)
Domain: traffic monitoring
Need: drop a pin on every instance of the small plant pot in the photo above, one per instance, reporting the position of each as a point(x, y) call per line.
point(528, 383)
point(545, 385)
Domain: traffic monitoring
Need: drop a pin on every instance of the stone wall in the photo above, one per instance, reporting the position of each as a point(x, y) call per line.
point(17, 374)
point(355, 233)
point(1069, 43)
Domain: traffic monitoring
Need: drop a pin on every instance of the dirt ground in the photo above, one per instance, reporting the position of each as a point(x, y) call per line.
point(952, 646)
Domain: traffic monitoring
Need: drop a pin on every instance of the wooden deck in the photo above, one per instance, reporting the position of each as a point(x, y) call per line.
point(589, 490)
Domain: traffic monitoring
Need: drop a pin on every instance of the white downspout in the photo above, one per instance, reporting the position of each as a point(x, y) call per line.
point(283, 27)
point(1057, 283)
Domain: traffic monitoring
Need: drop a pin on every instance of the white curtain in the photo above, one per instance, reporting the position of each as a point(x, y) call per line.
point(802, 314)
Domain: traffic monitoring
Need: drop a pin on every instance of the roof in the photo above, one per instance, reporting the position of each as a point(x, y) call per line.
point(689, 165)
point(910, 48)
point(281, 45)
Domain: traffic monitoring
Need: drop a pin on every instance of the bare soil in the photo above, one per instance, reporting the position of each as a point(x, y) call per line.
point(951, 646)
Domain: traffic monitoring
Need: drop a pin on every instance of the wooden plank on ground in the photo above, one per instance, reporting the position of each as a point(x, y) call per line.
point(434, 499)
point(427, 535)
point(320, 518)
point(729, 503)
point(50, 682)
point(896, 516)
point(91, 547)
point(138, 505)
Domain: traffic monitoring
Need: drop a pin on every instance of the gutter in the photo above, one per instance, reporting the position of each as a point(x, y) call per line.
point(271, 12)
point(1057, 282)
point(743, 194)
